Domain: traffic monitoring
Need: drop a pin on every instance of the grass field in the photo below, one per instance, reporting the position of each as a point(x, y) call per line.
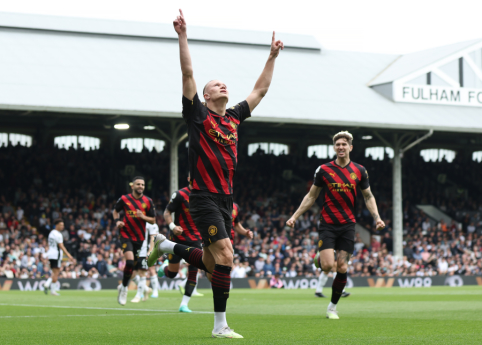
point(437, 315)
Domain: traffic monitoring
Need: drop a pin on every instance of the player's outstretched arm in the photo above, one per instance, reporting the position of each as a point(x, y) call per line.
point(306, 204)
point(242, 231)
point(176, 229)
point(371, 204)
point(61, 246)
point(188, 82)
point(262, 85)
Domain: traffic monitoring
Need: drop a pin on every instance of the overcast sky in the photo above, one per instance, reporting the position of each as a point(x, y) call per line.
point(381, 26)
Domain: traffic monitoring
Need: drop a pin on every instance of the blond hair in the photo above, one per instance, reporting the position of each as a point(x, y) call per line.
point(343, 134)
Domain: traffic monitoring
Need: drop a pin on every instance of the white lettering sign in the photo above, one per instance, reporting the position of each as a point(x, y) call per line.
point(437, 95)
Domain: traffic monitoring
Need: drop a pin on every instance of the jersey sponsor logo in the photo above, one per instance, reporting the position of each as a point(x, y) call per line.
point(223, 138)
point(212, 230)
point(133, 214)
point(332, 174)
point(341, 187)
point(353, 176)
point(128, 203)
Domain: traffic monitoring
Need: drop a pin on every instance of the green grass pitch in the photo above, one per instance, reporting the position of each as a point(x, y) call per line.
point(436, 315)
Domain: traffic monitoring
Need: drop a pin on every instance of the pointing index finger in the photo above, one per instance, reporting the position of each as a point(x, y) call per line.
point(182, 14)
point(273, 39)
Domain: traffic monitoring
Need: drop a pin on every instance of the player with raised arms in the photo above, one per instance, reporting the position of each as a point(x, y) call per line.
point(138, 210)
point(339, 180)
point(213, 143)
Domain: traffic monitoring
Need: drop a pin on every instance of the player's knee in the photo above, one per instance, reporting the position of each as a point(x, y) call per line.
point(342, 268)
point(129, 266)
point(327, 267)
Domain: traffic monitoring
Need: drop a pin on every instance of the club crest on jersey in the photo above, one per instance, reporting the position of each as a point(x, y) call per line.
point(233, 124)
point(353, 176)
point(186, 210)
point(144, 205)
point(212, 230)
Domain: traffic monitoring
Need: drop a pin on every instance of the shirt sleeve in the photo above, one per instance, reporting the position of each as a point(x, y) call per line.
point(60, 238)
point(191, 109)
point(119, 206)
point(364, 184)
point(175, 202)
point(318, 179)
point(240, 111)
point(152, 209)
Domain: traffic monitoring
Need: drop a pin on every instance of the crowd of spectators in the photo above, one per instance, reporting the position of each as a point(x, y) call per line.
point(81, 187)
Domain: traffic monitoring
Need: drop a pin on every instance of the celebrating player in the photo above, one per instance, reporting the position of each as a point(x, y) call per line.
point(55, 253)
point(138, 209)
point(339, 180)
point(213, 139)
point(143, 290)
point(183, 231)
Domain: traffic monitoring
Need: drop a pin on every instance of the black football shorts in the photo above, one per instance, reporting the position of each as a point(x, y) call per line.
point(212, 214)
point(338, 237)
point(131, 246)
point(141, 264)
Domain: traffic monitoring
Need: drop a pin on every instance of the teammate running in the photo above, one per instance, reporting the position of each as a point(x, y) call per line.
point(213, 139)
point(183, 231)
point(55, 253)
point(339, 180)
point(138, 209)
point(143, 290)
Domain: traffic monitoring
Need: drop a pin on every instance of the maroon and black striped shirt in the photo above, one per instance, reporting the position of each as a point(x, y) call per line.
point(213, 141)
point(179, 204)
point(340, 191)
point(135, 228)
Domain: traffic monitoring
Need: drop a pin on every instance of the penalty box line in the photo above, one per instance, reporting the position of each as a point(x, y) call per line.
point(98, 308)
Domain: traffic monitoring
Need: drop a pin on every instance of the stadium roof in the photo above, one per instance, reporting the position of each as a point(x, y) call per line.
point(76, 65)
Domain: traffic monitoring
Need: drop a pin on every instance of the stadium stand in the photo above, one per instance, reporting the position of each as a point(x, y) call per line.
point(82, 186)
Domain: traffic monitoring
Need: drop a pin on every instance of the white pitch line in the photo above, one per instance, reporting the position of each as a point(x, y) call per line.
point(97, 308)
point(34, 316)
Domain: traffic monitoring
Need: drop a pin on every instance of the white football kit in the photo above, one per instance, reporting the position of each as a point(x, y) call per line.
point(55, 253)
point(151, 229)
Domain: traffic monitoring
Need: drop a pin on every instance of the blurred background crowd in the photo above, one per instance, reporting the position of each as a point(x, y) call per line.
point(81, 187)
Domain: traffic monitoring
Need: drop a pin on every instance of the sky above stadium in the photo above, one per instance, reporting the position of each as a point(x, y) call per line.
point(379, 26)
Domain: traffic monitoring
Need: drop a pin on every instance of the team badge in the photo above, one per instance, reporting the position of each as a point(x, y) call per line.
point(124, 246)
point(320, 243)
point(212, 230)
point(186, 210)
point(234, 213)
point(233, 124)
point(169, 257)
point(144, 205)
point(353, 176)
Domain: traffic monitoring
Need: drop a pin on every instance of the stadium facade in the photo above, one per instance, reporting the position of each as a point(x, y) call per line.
point(73, 75)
